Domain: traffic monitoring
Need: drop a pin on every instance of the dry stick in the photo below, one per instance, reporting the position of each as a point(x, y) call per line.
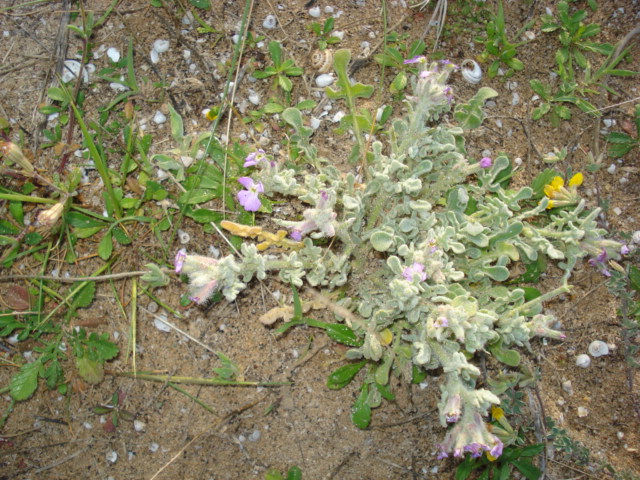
point(61, 461)
point(97, 278)
point(226, 418)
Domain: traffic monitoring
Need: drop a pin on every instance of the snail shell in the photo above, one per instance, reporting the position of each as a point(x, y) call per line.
point(322, 60)
point(471, 71)
point(598, 348)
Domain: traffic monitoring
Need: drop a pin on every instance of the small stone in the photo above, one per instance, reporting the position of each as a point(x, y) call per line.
point(324, 80)
point(154, 447)
point(315, 12)
point(620, 435)
point(161, 46)
point(112, 456)
point(612, 168)
point(160, 324)
point(270, 22)
point(159, 118)
point(582, 412)
point(254, 436)
point(113, 54)
point(567, 387)
point(139, 425)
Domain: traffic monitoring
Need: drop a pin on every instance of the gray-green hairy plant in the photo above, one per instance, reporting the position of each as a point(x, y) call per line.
point(425, 241)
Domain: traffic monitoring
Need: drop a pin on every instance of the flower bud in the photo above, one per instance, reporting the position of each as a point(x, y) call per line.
point(49, 217)
point(12, 152)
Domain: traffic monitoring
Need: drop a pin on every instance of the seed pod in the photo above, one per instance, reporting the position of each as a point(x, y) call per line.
point(322, 60)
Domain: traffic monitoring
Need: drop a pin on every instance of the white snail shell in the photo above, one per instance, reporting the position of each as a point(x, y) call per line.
point(324, 80)
point(598, 348)
point(322, 60)
point(471, 71)
point(583, 360)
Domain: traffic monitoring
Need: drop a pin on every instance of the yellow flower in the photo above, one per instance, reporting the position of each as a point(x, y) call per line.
point(212, 113)
point(558, 195)
point(497, 413)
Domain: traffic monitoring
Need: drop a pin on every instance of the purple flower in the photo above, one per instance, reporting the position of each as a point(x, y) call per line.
point(448, 93)
point(179, 260)
point(296, 235)
point(624, 250)
point(254, 158)
point(485, 162)
point(453, 408)
point(470, 434)
point(320, 218)
point(249, 198)
point(441, 322)
point(415, 269)
point(416, 59)
point(599, 262)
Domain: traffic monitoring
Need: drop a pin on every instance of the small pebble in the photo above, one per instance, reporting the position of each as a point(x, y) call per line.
point(328, 9)
point(113, 54)
point(612, 168)
point(567, 387)
point(617, 210)
point(112, 456)
point(270, 22)
point(620, 435)
point(154, 447)
point(582, 412)
point(255, 436)
point(139, 426)
point(161, 46)
point(159, 118)
point(324, 80)
point(160, 325)
point(315, 12)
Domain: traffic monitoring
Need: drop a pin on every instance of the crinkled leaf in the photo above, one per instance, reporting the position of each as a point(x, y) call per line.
point(25, 382)
point(121, 236)
point(84, 296)
point(91, 371)
point(100, 347)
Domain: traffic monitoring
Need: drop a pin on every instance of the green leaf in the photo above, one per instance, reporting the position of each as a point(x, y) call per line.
point(275, 50)
point(295, 473)
point(273, 107)
point(544, 178)
point(100, 348)
point(177, 127)
point(121, 237)
point(541, 111)
point(17, 212)
point(285, 83)
point(58, 94)
point(504, 355)
point(204, 215)
point(91, 371)
point(105, 248)
point(342, 334)
point(346, 89)
point(532, 450)
point(341, 377)
point(634, 278)
point(527, 469)
point(203, 4)
point(79, 220)
point(25, 382)
point(8, 228)
point(155, 277)
point(465, 468)
point(198, 195)
point(273, 474)
point(84, 296)
point(361, 411)
point(399, 82)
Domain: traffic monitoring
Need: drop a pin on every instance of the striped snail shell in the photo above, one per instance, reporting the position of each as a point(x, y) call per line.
point(322, 60)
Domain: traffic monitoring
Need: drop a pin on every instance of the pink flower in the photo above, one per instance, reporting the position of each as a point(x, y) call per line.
point(249, 198)
point(485, 162)
point(179, 260)
point(254, 158)
point(415, 269)
point(416, 59)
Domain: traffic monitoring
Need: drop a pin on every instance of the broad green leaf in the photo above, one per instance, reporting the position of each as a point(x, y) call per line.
point(465, 468)
point(58, 94)
point(343, 375)
point(527, 469)
point(346, 89)
point(91, 371)
point(25, 382)
point(295, 473)
point(8, 228)
point(531, 450)
point(105, 247)
point(121, 237)
point(504, 355)
point(199, 195)
point(80, 220)
point(634, 277)
point(342, 334)
point(100, 347)
point(177, 127)
point(273, 107)
point(86, 232)
point(361, 411)
point(203, 215)
point(84, 296)
point(285, 83)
